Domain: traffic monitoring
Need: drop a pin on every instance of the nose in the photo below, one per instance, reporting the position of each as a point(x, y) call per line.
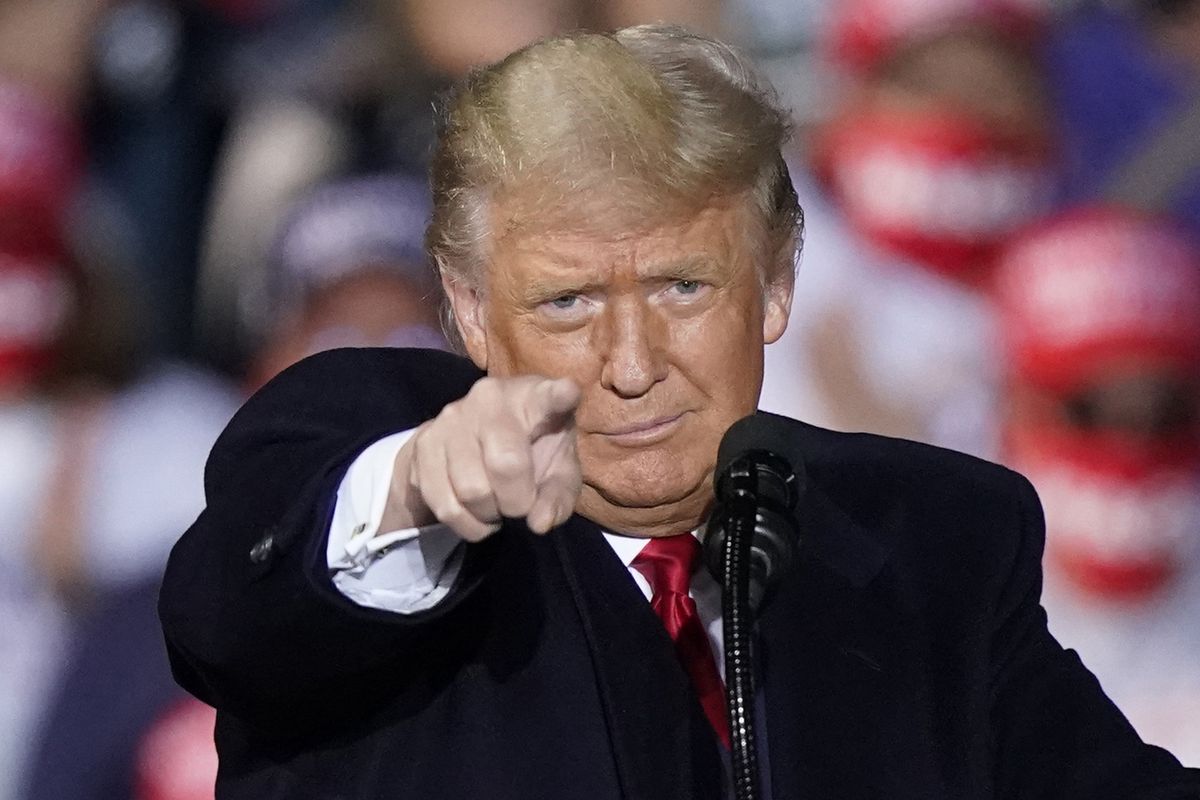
point(633, 343)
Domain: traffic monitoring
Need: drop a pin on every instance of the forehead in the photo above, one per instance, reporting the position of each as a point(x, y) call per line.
point(715, 238)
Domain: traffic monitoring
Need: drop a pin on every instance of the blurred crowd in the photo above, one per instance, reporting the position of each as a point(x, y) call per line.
point(1002, 206)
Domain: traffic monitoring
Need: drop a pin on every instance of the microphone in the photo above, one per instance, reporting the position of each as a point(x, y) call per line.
point(759, 481)
point(751, 540)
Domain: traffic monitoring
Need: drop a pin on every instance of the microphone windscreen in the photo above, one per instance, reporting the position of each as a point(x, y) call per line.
point(763, 431)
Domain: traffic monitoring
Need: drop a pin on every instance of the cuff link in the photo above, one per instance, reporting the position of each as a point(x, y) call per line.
point(262, 549)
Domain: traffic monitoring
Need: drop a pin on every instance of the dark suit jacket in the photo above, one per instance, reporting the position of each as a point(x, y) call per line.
point(906, 657)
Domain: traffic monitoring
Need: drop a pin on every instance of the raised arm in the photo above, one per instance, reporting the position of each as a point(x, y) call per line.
point(252, 621)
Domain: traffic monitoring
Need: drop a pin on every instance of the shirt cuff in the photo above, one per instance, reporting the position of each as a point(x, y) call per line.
point(402, 571)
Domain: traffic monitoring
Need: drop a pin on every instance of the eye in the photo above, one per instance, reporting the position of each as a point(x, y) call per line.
point(687, 287)
point(570, 309)
point(565, 301)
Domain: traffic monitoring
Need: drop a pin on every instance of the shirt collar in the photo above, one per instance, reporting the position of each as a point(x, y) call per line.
point(627, 547)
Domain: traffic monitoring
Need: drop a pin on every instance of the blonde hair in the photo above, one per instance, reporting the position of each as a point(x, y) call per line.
point(624, 130)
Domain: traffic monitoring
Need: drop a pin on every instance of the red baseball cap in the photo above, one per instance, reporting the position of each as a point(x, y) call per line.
point(1096, 285)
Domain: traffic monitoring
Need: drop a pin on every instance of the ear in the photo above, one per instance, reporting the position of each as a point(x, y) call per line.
point(777, 304)
point(467, 304)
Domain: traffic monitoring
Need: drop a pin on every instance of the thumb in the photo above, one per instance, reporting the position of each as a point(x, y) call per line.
point(551, 405)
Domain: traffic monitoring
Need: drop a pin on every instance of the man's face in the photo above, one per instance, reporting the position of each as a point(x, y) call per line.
point(663, 332)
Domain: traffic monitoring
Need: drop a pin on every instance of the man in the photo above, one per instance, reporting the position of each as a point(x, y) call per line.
point(615, 231)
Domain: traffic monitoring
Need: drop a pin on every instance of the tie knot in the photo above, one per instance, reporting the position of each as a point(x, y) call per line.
point(667, 562)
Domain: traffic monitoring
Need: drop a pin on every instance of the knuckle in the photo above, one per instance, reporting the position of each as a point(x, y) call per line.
point(462, 513)
point(453, 419)
point(426, 442)
point(485, 389)
point(472, 490)
point(515, 503)
point(417, 443)
point(505, 461)
point(446, 510)
point(420, 457)
point(462, 522)
point(449, 411)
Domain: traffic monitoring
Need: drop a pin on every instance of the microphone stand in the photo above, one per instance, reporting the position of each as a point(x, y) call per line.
point(752, 542)
point(739, 657)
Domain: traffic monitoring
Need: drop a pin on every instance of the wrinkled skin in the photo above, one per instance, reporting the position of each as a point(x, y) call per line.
point(663, 334)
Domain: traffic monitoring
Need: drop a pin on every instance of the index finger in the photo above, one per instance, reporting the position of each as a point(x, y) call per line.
point(550, 406)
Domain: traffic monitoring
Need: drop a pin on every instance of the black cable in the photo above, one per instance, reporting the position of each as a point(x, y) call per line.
point(739, 657)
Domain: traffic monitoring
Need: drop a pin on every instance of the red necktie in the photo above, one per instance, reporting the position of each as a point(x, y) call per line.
point(667, 563)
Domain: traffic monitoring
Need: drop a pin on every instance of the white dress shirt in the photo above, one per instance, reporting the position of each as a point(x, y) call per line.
point(412, 570)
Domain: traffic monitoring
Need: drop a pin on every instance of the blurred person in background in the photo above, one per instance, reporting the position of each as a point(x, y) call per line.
point(1123, 77)
point(1101, 321)
point(102, 450)
point(454, 37)
point(116, 726)
point(942, 149)
point(103, 461)
point(34, 296)
point(347, 269)
point(311, 89)
point(40, 161)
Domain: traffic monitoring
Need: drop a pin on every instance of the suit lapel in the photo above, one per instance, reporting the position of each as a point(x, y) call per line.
point(663, 746)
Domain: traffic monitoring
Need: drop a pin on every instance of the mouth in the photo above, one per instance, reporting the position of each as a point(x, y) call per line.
point(638, 434)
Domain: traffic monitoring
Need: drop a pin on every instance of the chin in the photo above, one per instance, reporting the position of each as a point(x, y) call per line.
point(647, 480)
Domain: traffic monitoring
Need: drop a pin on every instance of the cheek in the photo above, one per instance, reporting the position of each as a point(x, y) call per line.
point(722, 349)
point(728, 370)
point(517, 346)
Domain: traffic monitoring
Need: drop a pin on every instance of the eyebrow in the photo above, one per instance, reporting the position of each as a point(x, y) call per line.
point(541, 291)
point(698, 268)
